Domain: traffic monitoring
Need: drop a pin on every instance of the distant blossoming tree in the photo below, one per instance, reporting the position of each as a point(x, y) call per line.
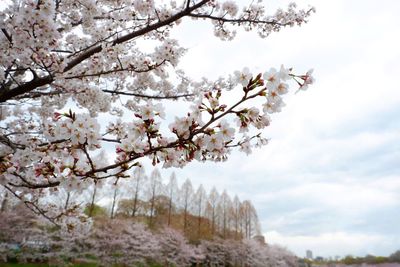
point(75, 79)
point(176, 251)
point(119, 241)
point(247, 253)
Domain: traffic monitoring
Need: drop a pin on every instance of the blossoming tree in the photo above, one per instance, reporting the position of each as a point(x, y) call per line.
point(74, 79)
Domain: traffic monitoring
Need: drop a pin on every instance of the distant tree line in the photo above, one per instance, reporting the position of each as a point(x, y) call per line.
point(371, 259)
point(197, 213)
point(351, 260)
point(147, 199)
point(152, 233)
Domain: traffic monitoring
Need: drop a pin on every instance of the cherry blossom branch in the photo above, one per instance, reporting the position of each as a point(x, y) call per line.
point(83, 148)
point(33, 207)
point(214, 119)
point(111, 140)
point(41, 81)
point(180, 142)
point(8, 36)
point(5, 140)
point(239, 20)
point(132, 69)
point(255, 20)
point(135, 34)
point(147, 96)
point(31, 185)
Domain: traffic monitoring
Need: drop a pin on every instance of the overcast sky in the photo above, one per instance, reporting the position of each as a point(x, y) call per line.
point(329, 180)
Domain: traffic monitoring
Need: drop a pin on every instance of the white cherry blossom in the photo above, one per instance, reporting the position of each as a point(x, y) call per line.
point(242, 77)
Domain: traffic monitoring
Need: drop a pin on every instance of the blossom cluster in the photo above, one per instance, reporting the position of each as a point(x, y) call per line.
point(252, 17)
point(75, 78)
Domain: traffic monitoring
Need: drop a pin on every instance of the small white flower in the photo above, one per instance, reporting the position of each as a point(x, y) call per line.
point(271, 76)
point(213, 102)
point(307, 80)
point(213, 142)
point(243, 77)
point(147, 112)
point(284, 73)
point(282, 88)
point(230, 7)
point(226, 131)
point(246, 146)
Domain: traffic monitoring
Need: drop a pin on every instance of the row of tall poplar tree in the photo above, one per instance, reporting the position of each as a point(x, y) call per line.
point(197, 213)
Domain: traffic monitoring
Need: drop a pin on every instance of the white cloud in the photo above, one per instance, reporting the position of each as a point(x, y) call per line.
point(347, 200)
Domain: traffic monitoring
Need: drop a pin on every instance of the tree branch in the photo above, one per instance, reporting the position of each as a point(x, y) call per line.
point(239, 20)
point(9, 38)
point(32, 206)
point(37, 82)
point(147, 96)
point(133, 69)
